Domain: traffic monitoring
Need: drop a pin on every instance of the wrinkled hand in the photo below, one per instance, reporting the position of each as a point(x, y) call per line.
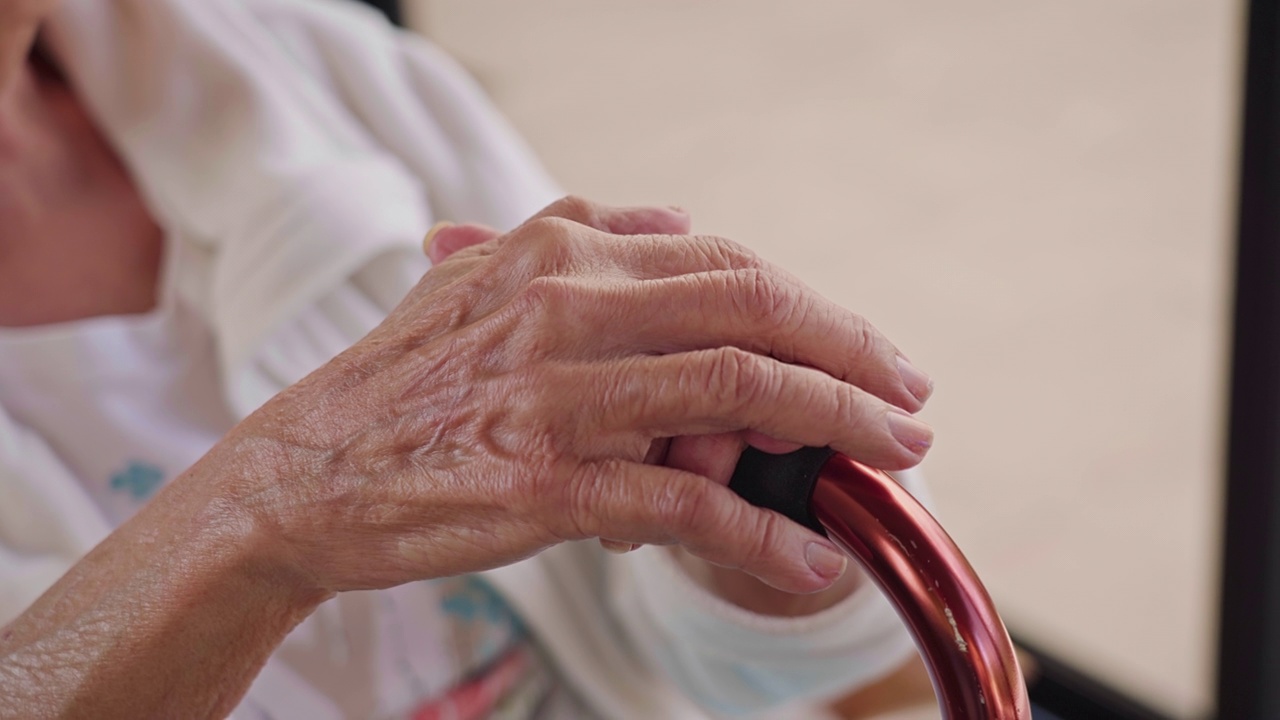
point(524, 392)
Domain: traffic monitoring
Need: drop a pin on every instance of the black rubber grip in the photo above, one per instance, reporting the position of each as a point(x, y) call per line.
point(782, 483)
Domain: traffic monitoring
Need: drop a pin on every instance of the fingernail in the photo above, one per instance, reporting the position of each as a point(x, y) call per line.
point(918, 384)
point(678, 210)
point(431, 235)
point(618, 547)
point(910, 432)
point(826, 561)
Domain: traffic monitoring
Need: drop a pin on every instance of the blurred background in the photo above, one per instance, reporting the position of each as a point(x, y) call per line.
point(1034, 200)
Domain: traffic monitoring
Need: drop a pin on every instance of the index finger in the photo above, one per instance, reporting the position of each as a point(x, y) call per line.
point(636, 503)
point(729, 389)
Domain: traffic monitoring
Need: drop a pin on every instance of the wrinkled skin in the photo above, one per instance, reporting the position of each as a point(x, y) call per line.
point(710, 455)
point(592, 374)
point(512, 400)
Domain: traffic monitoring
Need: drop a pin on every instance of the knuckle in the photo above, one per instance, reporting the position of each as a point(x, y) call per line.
point(734, 376)
point(726, 253)
point(580, 501)
point(863, 336)
point(533, 301)
point(573, 207)
point(549, 293)
point(563, 497)
point(619, 398)
point(548, 225)
point(552, 241)
point(766, 537)
point(688, 506)
point(540, 310)
point(761, 297)
point(852, 411)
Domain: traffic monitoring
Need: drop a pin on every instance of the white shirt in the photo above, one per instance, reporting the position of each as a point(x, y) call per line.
point(129, 402)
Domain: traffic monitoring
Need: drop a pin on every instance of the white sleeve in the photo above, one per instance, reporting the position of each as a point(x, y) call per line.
point(47, 521)
point(736, 663)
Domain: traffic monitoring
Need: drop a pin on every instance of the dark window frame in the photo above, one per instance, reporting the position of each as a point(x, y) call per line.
point(390, 8)
point(1249, 630)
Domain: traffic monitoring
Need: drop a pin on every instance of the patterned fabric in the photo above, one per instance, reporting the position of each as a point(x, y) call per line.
point(501, 674)
point(448, 649)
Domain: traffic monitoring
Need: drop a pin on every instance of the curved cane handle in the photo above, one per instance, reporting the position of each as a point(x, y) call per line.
point(906, 552)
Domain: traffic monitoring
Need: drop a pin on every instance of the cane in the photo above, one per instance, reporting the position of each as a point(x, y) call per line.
point(906, 552)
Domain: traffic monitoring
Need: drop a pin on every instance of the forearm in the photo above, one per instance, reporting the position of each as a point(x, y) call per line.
point(171, 616)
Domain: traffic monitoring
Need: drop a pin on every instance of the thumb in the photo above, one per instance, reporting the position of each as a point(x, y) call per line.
point(445, 239)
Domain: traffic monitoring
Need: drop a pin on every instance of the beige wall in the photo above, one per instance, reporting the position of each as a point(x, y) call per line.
point(1032, 199)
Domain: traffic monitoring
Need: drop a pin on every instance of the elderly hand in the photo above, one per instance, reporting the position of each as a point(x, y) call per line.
point(511, 402)
point(524, 393)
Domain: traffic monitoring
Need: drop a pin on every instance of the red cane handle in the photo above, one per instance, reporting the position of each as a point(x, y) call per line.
point(911, 558)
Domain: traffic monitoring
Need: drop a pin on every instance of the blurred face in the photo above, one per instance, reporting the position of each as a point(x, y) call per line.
point(75, 238)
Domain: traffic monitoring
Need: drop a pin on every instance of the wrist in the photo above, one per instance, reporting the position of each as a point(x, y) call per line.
point(218, 501)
